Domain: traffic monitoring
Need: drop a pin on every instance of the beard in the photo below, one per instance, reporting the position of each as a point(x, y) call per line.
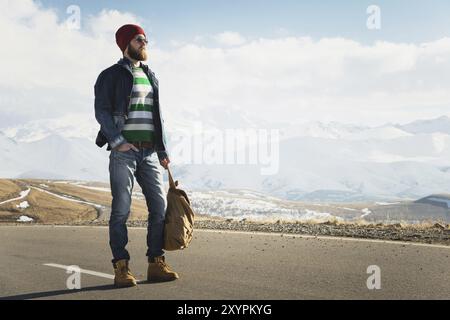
point(136, 54)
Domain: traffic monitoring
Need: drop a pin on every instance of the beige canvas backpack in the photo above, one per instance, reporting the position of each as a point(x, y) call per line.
point(179, 223)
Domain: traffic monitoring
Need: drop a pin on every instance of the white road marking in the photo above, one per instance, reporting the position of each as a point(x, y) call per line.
point(90, 272)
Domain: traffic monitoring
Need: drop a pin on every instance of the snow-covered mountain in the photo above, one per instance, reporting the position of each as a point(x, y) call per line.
point(53, 157)
point(69, 126)
point(441, 124)
point(317, 161)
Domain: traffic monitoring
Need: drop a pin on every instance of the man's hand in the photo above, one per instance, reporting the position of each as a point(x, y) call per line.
point(125, 147)
point(165, 163)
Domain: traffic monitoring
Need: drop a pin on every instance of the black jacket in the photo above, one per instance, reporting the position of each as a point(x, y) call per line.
point(112, 101)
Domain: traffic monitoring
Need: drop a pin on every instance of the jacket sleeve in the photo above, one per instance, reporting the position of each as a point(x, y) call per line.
point(162, 154)
point(104, 109)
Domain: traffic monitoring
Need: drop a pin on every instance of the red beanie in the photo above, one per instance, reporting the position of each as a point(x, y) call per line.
point(126, 33)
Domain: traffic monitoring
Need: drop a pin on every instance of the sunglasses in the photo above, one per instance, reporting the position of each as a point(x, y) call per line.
point(141, 40)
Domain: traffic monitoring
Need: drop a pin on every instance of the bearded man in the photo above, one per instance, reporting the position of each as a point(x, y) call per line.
point(128, 111)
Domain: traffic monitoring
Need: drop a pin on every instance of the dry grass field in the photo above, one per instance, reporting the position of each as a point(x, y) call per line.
point(8, 189)
point(72, 203)
point(48, 208)
point(45, 208)
point(138, 207)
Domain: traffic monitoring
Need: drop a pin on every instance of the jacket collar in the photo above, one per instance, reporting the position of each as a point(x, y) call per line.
point(126, 63)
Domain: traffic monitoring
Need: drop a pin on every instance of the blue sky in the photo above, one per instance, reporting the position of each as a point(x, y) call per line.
point(228, 56)
point(402, 21)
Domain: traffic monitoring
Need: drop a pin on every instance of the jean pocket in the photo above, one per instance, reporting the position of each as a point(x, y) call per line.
point(129, 154)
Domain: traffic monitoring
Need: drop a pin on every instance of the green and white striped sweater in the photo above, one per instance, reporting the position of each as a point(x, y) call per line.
point(139, 124)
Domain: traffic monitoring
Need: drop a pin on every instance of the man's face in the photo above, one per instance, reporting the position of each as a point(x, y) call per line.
point(137, 49)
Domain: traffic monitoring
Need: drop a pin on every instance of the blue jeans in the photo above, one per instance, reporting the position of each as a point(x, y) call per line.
point(145, 166)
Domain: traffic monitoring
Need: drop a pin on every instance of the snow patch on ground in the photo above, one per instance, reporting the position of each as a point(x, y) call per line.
point(386, 203)
point(365, 212)
point(136, 194)
point(68, 198)
point(24, 219)
point(22, 195)
point(234, 207)
point(23, 205)
point(92, 188)
point(349, 209)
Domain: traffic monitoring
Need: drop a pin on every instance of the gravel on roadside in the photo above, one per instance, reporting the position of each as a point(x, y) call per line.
point(432, 234)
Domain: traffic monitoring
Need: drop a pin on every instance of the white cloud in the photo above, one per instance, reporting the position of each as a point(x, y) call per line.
point(300, 78)
point(229, 38)
point(107, 22)
point(50, 68)
point(51, 71)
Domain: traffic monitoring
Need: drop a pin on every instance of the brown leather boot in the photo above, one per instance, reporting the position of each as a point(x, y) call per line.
point(123, 277)
point(159, 271)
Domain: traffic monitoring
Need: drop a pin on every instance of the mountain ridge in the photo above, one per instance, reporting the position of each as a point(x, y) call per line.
point(343, 162)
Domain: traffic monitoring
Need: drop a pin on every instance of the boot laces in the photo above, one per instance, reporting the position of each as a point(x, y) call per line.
point(163, 264)
point(126, 270)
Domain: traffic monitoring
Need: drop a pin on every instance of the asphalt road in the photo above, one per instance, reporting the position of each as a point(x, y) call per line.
point(221, 265)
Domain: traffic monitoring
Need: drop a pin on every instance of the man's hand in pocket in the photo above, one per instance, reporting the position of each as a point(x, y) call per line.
point(126, 147)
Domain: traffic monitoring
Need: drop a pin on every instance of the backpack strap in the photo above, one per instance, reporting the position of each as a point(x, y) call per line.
point(172, 184)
